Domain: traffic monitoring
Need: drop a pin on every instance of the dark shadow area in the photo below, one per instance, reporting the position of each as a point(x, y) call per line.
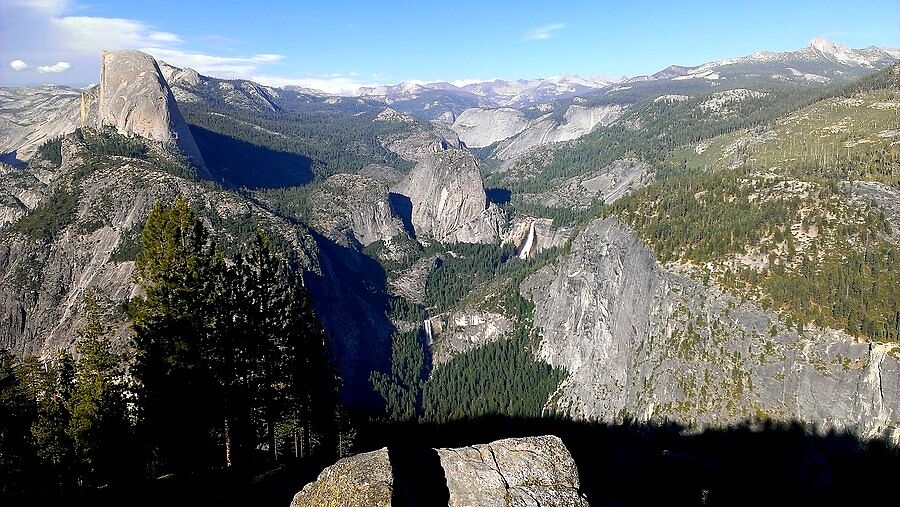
point(242, 164)
point(402, 207)
point(350, 297)
point(226, 488)
point(639, 464)
point(618, 465)
point(498, 195)
point(12, 158)
point(419, 479)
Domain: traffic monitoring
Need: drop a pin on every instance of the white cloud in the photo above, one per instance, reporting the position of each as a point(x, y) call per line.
point(92, 34)
point(544, 32)
point(48, 6)
point(219, 66)
point(56, 68)
point(165, 37)
point(18, 65)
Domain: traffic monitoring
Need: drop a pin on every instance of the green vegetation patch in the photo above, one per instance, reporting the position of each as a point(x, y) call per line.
point(50, 217)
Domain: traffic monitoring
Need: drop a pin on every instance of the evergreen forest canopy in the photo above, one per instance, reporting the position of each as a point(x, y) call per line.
point(229, 367)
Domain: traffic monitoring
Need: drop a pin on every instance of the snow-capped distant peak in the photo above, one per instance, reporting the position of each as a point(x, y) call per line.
point(824, 45)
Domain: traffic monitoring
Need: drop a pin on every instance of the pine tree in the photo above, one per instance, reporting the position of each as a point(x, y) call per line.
point(172, 324)
point(98, 425)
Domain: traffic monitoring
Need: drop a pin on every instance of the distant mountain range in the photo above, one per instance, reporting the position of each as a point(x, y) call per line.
point(494, 93)
point(821, 62)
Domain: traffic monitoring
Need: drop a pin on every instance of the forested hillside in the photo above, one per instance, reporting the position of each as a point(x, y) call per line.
point(772, 213)
point(229, 366)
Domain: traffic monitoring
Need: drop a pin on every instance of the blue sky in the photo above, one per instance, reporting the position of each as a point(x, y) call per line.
point(339, 45)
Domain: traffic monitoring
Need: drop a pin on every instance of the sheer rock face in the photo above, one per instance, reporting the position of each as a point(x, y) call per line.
point(479, 127)
point(530, 471)
point(351, 208)
point(643, 341)
point(535, 235)
point(516, 134)
point(134, 98)
point(448, 199)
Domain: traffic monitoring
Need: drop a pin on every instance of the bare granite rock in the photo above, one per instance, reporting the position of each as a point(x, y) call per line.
point(480, 127)
point(529, 471)
point(535, 235)
point(30, 116)
point(364, 480)
point(352, 208)
point(448, 199)
point(460, 331)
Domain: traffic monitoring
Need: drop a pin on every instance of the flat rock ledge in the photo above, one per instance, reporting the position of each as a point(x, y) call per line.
point(515, 472)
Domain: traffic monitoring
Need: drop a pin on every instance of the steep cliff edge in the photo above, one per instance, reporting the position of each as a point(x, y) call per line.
point(448, 199)
point(643, 341)
point(134, 98)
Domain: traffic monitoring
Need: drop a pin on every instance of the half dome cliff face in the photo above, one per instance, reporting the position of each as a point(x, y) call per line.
point(134, 98)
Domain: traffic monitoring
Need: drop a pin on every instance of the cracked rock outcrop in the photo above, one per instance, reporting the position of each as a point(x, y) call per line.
point(647, 342)
point(134, 98)
point(529, 471)
point(448, 199)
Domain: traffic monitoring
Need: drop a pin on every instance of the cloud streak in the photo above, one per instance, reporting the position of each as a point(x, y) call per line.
point(56, 68)
point(543, 33)
point(219, 66)
point(18, 65)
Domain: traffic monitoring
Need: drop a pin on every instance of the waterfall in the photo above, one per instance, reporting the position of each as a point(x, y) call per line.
point(529, 243)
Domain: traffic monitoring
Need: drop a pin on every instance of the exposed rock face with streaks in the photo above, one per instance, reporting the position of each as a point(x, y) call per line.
point(350, 209)
point(606, 185)
point(448, 199)
point(30, 116)
point(535, 235)
point(529, 471)
point(134, 98)
point(478, 127)
point(643, 341)
point(460, 331)
point(515, 134)
point(45, 282)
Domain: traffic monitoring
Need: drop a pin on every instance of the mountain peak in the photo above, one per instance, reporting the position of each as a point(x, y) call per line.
point(824, 45)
